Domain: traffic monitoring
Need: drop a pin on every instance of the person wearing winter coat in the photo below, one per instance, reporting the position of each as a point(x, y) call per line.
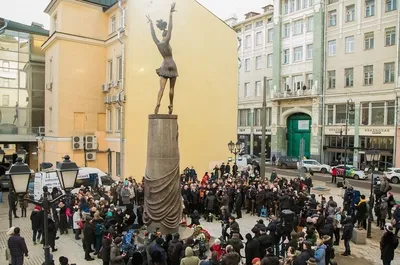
point(116, 258)
point(88, 237)
point(195, 218)
point(265, 240)
point(388, 244)
point(190, 258)
point(362, 211)
point(270, 258)
point(305, 254)
point(328, 228)
point(383, 207)
point(391, 203)
point(238, 204)
point(347, 235)
point(252, 249)
point(63, 220)
point(175, 248)
point(18, 248)
point(37, 225)
point(210, 203)
point(106, 248)
point(320, 252)
point(216, 247)
point(235, 242)
point(76, 220)
point(231, 257)
point(396, 217)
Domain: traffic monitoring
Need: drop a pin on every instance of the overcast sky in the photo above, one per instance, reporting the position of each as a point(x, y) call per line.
point(26, 11)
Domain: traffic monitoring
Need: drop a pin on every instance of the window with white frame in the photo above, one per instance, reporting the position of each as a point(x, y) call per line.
point(370, 8)
point(378, 113)
point(291, 6)
point(349, 77)
point(286, 30)
point(119, 61)
point(332, 48)
point(258, 62)
point(369, 41)
point(109, 120)
point(248, 27)
point(389, 72)
point(298, 5)
point(332, 18)
point(349, 44)
point(259, 24)
point(246, 89)
point(110, 70)
point(270, 60)
point(305, 3)
point(258, 88)
point(118, 119)
point(286, 56)
point(269, 85)
point(259, 38)
point(257, 117)
point(309, 51)
point(270, 35)
point(285, 7)
point(121, 19)
point(298, 81)
point(390, 36)
point(368, 75)
point(309, 81)
point(298, 54)
point(310, 24)
point(247, 42)
point(113, 24)
point(247, 64)
point(243, 117)
point(285, 83)
point(391, 5)
point(350, 13)
point(331, 79)
point(298, 27)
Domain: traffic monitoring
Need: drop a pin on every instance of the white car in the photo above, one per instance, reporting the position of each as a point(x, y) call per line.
point(314, 166)
point(393, 175)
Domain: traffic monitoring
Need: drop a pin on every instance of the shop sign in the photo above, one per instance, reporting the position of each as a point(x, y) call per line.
point(243, 131)
point(377, 131)
point(303, 125)
point(259, 131)
point(337, 129)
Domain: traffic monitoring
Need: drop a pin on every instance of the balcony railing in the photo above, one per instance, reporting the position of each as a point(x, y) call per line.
point(14, 130)
point(293, 93)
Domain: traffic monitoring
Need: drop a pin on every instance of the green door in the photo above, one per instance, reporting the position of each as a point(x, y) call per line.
point(298, 127)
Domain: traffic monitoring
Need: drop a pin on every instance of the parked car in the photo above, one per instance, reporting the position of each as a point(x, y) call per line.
point(251, 158)
point(393, 175)
point(287, 162)
point(350, 172)
point(383, 166)
point(314, 166)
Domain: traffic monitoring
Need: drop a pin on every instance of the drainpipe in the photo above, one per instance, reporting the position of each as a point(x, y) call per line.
point(396, 108)
point(5, 25)
point(121, 94)
point(323, 84)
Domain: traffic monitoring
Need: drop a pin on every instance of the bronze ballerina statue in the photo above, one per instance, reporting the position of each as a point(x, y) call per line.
point(168, 69)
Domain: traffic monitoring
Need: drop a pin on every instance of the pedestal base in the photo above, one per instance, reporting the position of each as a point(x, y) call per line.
point(359, 236)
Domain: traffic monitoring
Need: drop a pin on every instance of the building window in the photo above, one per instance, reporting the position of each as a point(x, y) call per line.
point(246, 90)
point(329, 115)
point(332, 18)
point(259, 38)
point(286, 56)
point(331, 79)
point(350, 44)
point(285, 83)
point(309, 81)
point(298, 27)
point(309, 51)
point(270, 35)
point(349, 77)
point(389, 72)
point(368, 75)
point(350, 13)
point(258, 88)
point(257, 117)
point(305, 3)
point(332, 48)
point(121, 20)
point(291, 6)
point(118, 163)
point(369, 8)
point(110, 71)
point(247, 65)
point(113, 24)
point(298, 81)
point(109, 120)
point(377, 113)
point(119, 61)
point(269, 84)
point(340, 114)
point(369, 40)
point(248, 27)
point(248, 42)
point(118, 119)
point(298, 5)
point(298, 54)
point(391, 5)
point(55, 22)
point(390, 116)
point(310, 24)
point(244, 117)
point(285, 7)
point(269, 60)
point(5, 100)
point(286, 30)
point(390, 36)
point(259, 24)
point(365, 113)
point(258, 62)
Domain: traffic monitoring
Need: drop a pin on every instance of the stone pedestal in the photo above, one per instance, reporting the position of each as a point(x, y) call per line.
point(162, 198)
point(359, 236)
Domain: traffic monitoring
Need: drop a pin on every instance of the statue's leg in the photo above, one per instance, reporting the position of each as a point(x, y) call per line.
point(163, 83)
point(172, 82)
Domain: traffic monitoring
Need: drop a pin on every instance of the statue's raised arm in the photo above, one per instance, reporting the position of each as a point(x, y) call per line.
point(168, 37)
point(153, 33)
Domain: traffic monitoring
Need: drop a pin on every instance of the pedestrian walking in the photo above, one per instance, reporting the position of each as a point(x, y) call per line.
point(12, 203)
point(36, 221)
point(273, 159)
point(347, 235)
point(10, 233)
point(18, 248)
point(388, 244)
point(334, 174)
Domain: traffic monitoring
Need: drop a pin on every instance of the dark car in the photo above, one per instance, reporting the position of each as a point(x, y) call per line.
point(287, 162)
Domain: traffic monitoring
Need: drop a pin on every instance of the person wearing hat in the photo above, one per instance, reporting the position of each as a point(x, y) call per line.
point(305, 254)
point(252, 249)
point(388, 244)
point(347, 235)
point(256, 261)
point(37, 224)
point(116, 258)
point(320, 252)
point(270, 257)
point(328, 251)
point(88, 237)
point(312, 261)
point(190, 258)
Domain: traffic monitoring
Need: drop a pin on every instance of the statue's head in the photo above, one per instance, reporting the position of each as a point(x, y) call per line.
point(162, 25)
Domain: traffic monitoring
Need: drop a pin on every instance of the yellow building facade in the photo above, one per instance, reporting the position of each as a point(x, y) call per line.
point(84, 73)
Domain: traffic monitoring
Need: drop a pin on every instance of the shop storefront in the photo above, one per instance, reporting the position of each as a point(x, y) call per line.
point(244, 137)
point(257, 143)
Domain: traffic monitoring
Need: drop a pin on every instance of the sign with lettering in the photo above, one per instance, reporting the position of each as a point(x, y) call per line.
point(259, 131)
point(380, 131)
point(303, 125)
point(335, 130)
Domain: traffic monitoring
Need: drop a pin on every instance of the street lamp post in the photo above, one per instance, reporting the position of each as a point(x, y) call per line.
point(235, 148)
point(372, 156)
point(349, 110)
point(67, 172)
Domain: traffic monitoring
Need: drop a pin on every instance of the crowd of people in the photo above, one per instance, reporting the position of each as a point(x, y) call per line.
point(295, 227)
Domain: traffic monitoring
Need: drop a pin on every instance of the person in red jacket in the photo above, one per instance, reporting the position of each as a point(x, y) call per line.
point(216, 247)
point(334, 174)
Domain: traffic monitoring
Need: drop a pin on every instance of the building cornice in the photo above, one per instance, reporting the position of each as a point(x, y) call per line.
point(70, 37)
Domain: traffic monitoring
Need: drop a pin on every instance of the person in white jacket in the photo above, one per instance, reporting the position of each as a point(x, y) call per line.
point(132, 193)
point(76, 218)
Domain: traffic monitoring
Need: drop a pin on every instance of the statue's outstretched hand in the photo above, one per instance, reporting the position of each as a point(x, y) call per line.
point(173, 7)
point(149, 19)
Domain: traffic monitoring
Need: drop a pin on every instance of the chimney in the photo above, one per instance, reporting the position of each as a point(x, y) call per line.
point(268, 8)
point(232, 20)
point(38, 25)
point(251, 14)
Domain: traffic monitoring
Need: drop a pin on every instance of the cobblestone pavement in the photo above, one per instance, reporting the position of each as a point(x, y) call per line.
point(368, 254)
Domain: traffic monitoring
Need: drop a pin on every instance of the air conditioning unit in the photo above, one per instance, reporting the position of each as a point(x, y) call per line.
point(49, 86)
point(90, 142)
point(104, 87)
point(90, 156)
point(42, 131)
point(78, 142)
